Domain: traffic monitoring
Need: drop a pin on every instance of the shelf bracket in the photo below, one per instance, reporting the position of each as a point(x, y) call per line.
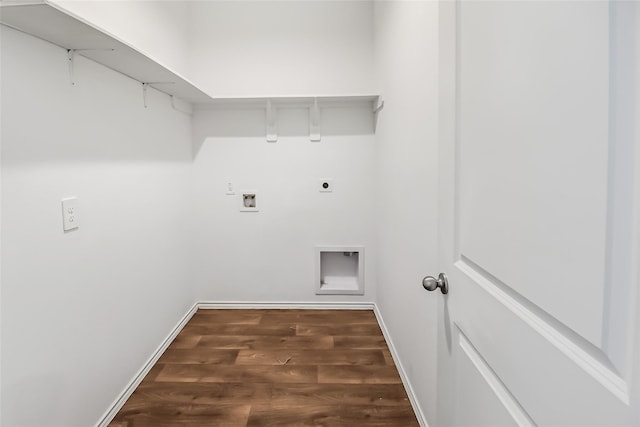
point(314, 122)
point(272, 123)
point(71, 56)
point(145, 86)
point(144, 94)
point(178, 105)
point(377, 107)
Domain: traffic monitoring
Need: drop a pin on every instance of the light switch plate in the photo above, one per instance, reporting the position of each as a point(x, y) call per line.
point(70, 213)
point(230, 190)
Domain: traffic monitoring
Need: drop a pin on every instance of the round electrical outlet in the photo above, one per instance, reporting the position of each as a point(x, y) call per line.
point(326, 185)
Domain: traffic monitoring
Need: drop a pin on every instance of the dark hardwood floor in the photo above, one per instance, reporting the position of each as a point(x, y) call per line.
point(273, 368)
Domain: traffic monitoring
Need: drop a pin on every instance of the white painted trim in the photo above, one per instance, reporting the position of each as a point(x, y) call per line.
point(502, 393)
point(422, 420)
point(137, 379)
point(315, 305)
point(606, 376)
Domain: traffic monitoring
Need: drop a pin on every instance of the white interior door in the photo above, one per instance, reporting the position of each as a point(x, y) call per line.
point(539, 213)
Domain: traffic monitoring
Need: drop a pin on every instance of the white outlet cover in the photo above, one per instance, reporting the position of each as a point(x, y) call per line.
point(325, 185)
point(70, 218)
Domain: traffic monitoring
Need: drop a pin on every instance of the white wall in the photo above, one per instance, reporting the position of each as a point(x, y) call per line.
point(160, 29)
point(251, 48)
point(83, 310)
point(254, 48)
point(406, 39)
point(269, 255)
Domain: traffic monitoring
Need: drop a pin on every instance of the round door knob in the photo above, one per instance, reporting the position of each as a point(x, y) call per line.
point(430, 283)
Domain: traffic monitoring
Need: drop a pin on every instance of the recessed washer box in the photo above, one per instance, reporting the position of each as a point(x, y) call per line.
point(249, 201)
point(339, 270)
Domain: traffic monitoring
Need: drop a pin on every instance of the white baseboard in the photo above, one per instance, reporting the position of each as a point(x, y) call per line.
point(403, 375)
point(121, 400)
point(137, 379)
point(316, 305)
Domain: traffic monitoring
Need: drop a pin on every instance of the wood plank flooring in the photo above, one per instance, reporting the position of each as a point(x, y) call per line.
point(250, 368)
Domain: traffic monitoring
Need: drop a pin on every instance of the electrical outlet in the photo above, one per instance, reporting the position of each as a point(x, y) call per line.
point(70, 219)
point(325, 185)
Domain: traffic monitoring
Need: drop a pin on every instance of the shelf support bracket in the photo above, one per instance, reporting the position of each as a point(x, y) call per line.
point(178, 105)
point(145, 86)
point(144, 94)
point(272, 123)
point(71, 56)
point(377, 107)
point(314, 122)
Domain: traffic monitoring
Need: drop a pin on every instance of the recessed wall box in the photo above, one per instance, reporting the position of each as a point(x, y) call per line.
point(339, 270)
point(248, 201)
